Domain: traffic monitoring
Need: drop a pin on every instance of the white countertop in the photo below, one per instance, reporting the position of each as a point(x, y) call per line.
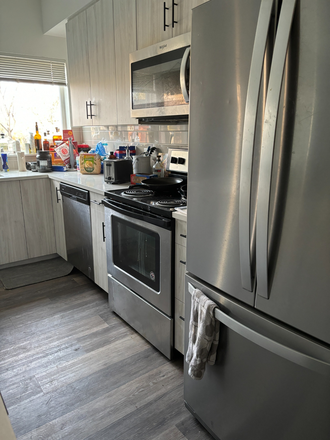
point(91, 182)
point(180, 214)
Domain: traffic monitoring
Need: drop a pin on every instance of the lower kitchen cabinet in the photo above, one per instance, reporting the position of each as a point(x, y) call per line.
point(58, 219)
point(98, 237)
point(26, 219)
point(180, 271)
point(38, 217)
point(12, 230)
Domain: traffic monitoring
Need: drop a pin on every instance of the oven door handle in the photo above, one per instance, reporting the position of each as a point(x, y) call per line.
point(138, 214)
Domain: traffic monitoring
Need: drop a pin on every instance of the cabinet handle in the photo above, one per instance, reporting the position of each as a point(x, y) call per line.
point(183, 262)
point(181, 317)
point(165, 25)
point(57, 199)
point(103, 227)
point(182, 235)
point(90, 107)
point(96, 202)
point(173, 21)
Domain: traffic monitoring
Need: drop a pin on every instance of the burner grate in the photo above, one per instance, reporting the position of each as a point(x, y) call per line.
point(171, 203)
point(138, 192)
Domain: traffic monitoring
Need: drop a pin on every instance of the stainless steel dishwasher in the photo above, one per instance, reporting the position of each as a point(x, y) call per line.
point(78, 230)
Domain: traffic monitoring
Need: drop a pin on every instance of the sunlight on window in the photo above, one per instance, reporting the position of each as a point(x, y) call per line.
point(24, 104)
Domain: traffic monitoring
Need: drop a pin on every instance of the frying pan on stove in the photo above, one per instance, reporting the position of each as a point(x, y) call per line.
point(162, 183)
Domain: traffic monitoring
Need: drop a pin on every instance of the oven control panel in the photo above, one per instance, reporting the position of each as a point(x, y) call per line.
point(177, 160)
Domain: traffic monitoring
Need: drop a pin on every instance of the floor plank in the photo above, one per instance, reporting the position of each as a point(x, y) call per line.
point(72, 369)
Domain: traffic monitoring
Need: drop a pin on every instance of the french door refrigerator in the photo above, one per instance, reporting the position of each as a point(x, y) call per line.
point(258, 239)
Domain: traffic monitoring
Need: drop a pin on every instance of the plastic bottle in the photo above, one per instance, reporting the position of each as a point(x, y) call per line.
point(157, 168)
point(45, 144)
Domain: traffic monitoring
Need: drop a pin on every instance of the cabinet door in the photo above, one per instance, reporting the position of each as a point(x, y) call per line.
point(12, 232)
point(125, 43)
point(78, 68)
point(38, 217)
point(183, 15)
point(101, 47)
point(98, 237)
point(150, 22)
point(58, 219)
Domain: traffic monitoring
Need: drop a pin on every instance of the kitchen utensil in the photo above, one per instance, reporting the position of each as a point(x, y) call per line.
point(183, 191)
point(162, 183)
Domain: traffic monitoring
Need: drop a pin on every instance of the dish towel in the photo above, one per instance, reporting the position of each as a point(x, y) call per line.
point(204, 330)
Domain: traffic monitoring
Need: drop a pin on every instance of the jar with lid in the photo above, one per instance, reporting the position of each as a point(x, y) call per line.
point(44, 161)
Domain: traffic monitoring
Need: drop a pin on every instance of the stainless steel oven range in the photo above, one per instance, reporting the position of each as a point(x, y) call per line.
point(140, 258)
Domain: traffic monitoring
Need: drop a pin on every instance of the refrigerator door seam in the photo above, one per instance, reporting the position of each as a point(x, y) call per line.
point(249, 128)
point(268, 143)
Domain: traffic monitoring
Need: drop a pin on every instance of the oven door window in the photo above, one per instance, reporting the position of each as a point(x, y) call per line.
point(136, 251)
point(156, 81)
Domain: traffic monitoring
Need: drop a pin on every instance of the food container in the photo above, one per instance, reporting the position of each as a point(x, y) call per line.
point(90, 163)
point(136, 179)
point(44, 162)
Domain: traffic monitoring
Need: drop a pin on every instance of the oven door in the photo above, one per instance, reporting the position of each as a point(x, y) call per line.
point(139, 253)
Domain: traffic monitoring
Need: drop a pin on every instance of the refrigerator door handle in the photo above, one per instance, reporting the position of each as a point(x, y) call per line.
point(281, 350)
point(249, 128)
point(268, 143)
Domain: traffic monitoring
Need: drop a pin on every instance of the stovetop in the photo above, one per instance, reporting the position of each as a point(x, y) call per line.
point(157, 202)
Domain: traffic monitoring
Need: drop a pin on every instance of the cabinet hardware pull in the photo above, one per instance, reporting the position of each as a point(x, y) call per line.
point(182, 235)
point(181, 317)
point(57, 199)
point(90, 107)
point(165, 25)
point(173, 21)
point(103, 226)
point(183, 262)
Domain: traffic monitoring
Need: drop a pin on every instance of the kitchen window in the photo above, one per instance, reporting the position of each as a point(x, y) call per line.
point(32, 91)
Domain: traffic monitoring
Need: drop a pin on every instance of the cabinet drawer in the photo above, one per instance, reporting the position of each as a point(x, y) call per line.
point(179, 325)
point(180, 232)
point(180, 270)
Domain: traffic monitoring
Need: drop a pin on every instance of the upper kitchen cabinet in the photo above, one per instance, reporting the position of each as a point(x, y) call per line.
point(164, 19)
point(92, 66)
point(78, 68)
point(125, 43)
point(153, 22)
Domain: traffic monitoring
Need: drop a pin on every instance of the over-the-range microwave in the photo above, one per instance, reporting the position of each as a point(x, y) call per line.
point(159, 76)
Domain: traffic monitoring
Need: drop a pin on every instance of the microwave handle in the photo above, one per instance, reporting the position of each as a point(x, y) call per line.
point(183, 71)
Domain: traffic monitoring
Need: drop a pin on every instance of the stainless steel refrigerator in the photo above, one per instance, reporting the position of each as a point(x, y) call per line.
point(258, 239)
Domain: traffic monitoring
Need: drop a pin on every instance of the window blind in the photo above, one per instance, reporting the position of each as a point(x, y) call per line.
point(32, 70)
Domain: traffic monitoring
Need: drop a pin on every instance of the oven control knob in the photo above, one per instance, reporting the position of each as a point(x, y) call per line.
point(182, 160)
point(174, 160)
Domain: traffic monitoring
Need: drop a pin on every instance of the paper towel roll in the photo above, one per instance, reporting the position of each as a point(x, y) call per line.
point(21, 160)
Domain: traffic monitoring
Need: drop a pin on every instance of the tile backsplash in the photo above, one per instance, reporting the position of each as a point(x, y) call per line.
point(141, 136)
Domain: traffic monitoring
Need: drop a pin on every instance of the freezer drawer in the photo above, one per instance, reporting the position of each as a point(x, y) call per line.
point(255, 393)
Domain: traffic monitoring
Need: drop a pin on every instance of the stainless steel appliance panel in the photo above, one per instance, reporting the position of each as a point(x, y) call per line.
point(78, 231)
point(161, 295)
point(153, 325)
point(268, 382)
point(159, 79)
point(222, 46)
point(293, 283)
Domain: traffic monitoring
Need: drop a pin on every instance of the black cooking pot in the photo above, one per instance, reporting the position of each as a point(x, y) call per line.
point(162, 183)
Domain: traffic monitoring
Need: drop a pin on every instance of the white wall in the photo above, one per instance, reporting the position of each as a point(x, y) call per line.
point(55, 12)
point(21, 31)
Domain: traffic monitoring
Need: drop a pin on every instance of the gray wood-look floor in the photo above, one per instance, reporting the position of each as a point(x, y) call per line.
point(71, 369)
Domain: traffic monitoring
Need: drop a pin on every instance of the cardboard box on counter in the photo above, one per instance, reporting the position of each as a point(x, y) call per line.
point(136, 179)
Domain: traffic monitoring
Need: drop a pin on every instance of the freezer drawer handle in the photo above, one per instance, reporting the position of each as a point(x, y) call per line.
point(268, 143)
point(281, 350)
point(249, 127)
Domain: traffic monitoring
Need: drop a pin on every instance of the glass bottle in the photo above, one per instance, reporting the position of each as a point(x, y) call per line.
point(37, 139)
point(45, 144)
point(57, 136)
